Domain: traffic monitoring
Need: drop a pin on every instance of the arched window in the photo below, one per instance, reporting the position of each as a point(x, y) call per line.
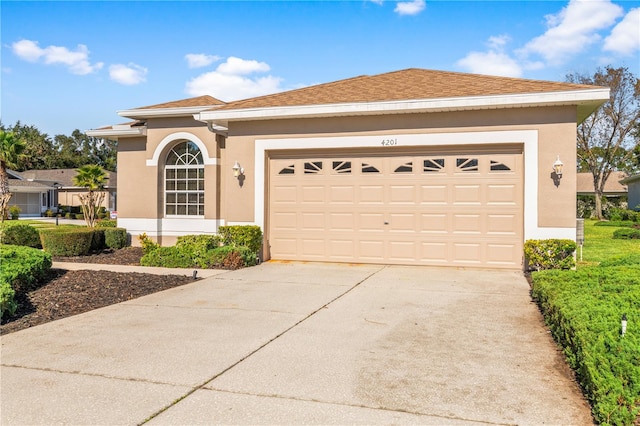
point(184, 181)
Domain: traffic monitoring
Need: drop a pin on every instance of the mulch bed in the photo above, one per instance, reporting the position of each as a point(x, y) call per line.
point(67, 293)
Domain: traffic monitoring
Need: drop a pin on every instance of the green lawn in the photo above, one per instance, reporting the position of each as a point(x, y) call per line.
point(40, 224)
point(599, 244)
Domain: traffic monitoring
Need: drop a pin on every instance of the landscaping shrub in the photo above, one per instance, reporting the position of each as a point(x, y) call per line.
point(67, 241)
point(230, 257)
point(197, 247)
point(167, 257)
point(549, 254)
point(249, 236)
point(20, 235)
point(147, 244)
point(22, 267)
point(626, 234)
point(618, 214)
point(615, 223)
point(79, 216)
point(115, 238)
point(583, 310)
point(15, 211)
point(106, 223)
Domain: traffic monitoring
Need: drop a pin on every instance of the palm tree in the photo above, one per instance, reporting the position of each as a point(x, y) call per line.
point(91, 177)
point(10, 152)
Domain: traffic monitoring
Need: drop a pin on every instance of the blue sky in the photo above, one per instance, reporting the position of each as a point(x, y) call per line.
point(68, 65)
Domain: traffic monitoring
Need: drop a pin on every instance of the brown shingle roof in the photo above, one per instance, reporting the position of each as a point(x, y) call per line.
point(63, 177)
point(584, 184)
point(406, 84)
point(205, 100)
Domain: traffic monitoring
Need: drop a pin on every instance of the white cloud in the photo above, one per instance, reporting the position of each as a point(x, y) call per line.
point(231, 81)
point(494, 61)
point(491, 63)
point(625, 37)
point(237, 66)
point(378, 2)
point(199, 60)
point(129, 75)
point(410, 7)
point(572, 30)
point(77, 61)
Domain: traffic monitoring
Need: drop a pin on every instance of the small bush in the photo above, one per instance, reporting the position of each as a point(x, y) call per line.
point(23, 267)
point(249, 236)
point(618, 214)
point(115, 238)
point(20, 234)
point(229, 257)
point(79, 216)
point(106, 223)
point(197, 247)
point(67, 241)
point(167, 257)
point(15, 211)
point(147, 244)
point(626, 234)
point(549, 254)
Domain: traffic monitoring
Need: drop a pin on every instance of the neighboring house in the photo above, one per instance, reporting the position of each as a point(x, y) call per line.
point(33, 198)
point(633, 183)
point(413, 167)
point(612, 187)
point(36, 191)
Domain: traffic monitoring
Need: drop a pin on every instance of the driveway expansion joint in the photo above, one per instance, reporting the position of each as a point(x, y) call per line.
point(259, 348)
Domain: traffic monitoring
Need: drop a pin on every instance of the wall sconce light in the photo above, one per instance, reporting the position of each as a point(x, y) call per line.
point(557, 167)
point(237, 170)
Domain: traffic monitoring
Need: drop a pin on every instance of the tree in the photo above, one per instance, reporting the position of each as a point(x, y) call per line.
point(92, 177)
point(10, 152)
point(607, 139)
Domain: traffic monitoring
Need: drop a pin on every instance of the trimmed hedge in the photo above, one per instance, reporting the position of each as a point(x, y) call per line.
point(626, 234)
point(107, 223)
point(115, 238)
point(550, 254)
point(20, 234)
point(583, 310)
point(242, 235)
point(67, 241)
point(185, 256)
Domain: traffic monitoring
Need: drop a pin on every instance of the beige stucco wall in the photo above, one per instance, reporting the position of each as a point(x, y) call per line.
point(556, 131)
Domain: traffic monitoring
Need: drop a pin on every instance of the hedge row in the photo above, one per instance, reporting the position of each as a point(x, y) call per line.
point(583, 310)
point(234, 247)
point(549, 254)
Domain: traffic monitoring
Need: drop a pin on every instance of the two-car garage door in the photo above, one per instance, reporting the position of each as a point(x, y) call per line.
point(458, 209)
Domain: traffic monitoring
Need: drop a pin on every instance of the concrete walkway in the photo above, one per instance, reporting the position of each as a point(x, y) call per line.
point(297, 343)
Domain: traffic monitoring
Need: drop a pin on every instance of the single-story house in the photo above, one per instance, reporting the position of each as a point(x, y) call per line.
point(416, 167)
point(612, 187)
point(633, 185)
point(36, 191)
point(33, 198)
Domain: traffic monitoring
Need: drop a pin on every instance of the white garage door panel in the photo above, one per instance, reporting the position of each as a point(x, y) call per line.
point(459, 210)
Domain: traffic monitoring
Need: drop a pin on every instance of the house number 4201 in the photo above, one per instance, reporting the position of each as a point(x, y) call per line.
point(389, 142)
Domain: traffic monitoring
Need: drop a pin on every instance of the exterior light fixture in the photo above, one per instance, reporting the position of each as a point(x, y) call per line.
point(237, 170)
point(557, 167)
point(623, 325)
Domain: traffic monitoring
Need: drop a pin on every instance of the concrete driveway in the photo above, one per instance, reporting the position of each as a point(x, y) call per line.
point(296, 343)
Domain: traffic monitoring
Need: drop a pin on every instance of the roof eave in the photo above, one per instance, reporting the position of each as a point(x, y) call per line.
point(586, 100)
point(115, 133)
point(144, 113)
